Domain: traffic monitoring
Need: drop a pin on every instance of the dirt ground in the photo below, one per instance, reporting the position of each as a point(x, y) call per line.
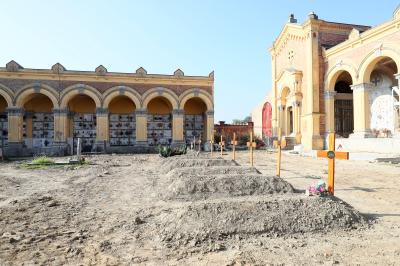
point(118, 211)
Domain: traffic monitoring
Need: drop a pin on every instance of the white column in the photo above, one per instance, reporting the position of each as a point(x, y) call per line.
point(361, 109)
point(281, 118)
point(329, 97)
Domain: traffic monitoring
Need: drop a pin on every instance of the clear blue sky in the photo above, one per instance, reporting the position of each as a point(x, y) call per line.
point(230, 37)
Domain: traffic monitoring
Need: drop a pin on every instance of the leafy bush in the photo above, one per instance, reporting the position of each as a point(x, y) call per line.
point(164, 151)
point(167, 151)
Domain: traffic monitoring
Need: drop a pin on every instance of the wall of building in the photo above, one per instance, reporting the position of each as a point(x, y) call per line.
point(64, 92)
point(318, 50)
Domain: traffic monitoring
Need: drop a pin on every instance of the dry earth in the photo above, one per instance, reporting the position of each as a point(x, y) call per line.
point(141, 209)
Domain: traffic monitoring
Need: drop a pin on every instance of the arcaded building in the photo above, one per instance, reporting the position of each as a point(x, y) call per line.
point(334, 77)
point(48, 110)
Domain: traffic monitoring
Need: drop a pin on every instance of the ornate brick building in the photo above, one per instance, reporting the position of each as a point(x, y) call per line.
point(47, 110)
point(335, 77)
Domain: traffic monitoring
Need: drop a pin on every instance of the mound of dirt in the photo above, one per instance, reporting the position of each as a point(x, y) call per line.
point(216, 170)
point(195, 187)
point(201, 223)
point(189, 155)
point(179, 163)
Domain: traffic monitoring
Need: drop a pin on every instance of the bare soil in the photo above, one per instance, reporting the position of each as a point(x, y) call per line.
point(143, 209)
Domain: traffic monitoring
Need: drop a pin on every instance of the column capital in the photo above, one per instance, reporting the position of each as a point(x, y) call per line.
point(15, 111)
point(296, 103)
point(178, 112)
point(210, 113)
point(60, 111)
point(361, 87)
point(141, 112)
point(101, 111)
point(329, 95)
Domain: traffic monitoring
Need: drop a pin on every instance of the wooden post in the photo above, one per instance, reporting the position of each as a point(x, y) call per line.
point(251, 145)
point(279, 144)
point(222, 144)
point(331, 154)
point(234, 143)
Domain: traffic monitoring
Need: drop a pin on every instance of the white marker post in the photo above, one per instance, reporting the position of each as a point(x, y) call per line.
point(78, 150)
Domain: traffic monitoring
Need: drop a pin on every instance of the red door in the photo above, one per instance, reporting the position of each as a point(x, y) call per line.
point(267, 120)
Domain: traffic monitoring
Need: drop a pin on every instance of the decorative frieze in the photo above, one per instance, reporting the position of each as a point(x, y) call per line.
point(361, 87)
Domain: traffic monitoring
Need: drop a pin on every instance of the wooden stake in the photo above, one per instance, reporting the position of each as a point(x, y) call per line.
point(234, 143)
point(331, 154)
point(279, 144)
point(222, 144)
point(251, 145)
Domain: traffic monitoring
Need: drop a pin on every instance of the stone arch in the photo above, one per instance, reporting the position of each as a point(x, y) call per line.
point(196, 93)
point(368, 63)
point(23, 94)
point(78, 89)
point(7, 95)
point(114, 92)
point(335, 72)
point(163, 92)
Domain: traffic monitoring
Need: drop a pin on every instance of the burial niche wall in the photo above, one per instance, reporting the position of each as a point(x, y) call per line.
point(82, 122)
point(122, 122)
point(38, 121)
point(159, 122)
point(194, 123)
point(3, 122)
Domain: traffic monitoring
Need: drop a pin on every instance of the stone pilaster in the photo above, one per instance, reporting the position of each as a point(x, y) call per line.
point(15, 145)
point(141, 127)
point(361, 110)
point(209, 130)
point(28, 123)
point(101, 124)
point(297, 120)
point(15, 121)
point(329, 111)
point(281, 117)
point(60, 125)
point(209, 125)
point(177, 126)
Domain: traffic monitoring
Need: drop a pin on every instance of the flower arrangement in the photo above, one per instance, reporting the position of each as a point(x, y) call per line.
point(317, 190)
